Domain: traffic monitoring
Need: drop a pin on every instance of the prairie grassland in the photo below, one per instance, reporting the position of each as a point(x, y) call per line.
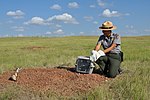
point(133, 84)
point(43, 52)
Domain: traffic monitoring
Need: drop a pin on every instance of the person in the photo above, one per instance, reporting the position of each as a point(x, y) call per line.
point(111, 43)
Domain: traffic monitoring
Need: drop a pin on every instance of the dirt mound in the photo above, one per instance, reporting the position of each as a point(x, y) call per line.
point(59, 81)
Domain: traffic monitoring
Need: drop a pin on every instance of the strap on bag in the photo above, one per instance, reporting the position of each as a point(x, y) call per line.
point(121, 54)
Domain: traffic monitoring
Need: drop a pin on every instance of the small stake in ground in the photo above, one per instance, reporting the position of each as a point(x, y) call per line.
point(14, 76)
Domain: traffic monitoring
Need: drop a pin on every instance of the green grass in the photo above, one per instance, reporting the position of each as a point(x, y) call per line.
point(134, 84)
point(18, 52)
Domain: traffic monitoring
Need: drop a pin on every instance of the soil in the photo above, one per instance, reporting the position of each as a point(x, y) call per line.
point(61, 81)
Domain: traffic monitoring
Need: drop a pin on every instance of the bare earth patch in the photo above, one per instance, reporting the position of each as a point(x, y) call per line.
point(63, 82)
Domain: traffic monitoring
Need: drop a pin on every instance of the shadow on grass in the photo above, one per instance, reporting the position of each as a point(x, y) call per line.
point(72, 69)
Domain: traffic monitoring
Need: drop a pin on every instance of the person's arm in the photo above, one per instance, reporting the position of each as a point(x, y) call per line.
point(110, 48)
point(116, 41)
point(97, 47)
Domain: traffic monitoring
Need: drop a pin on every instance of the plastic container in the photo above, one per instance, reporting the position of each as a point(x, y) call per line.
point(84, 65)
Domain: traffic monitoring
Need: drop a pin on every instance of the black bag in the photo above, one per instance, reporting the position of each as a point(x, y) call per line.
point(121, 54)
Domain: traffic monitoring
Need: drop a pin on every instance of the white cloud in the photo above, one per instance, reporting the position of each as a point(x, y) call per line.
point(48, 33)
point(88, 18)
point(130, 30)
point(56, 7)
point(73, 5)
point(66, 18)
point(72, 34)
point(18, 28)
point(147, 30)
point(133, 32)
point(16, 14)
point(108, 13)
point(92, 6)
point(129, 26)
point(59, 31)
point(95, 22)
point(6, 35)
point(81, 33)
point(58, 26)
point(127, 14)
point(20, 35)
point(37, 21)
point(101, 3)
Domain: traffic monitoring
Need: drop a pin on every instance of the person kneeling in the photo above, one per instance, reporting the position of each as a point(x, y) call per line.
point(111, 43)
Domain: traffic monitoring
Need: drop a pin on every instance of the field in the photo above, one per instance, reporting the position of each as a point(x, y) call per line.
point(44, 52)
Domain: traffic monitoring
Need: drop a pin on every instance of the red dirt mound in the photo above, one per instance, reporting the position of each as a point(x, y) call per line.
point(59, 81)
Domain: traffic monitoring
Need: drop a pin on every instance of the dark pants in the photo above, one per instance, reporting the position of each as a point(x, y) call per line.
point(110, 64)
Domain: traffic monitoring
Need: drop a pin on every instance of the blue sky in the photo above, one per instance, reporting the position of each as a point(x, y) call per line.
point(73, 17)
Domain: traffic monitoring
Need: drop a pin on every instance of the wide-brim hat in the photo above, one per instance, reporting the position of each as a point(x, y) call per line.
point(107, 25)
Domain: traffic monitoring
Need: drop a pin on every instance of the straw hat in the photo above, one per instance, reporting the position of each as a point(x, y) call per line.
point(107, 25)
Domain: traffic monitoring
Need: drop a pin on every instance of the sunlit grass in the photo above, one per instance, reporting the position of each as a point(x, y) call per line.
point(133, 84)
point(27, 52)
